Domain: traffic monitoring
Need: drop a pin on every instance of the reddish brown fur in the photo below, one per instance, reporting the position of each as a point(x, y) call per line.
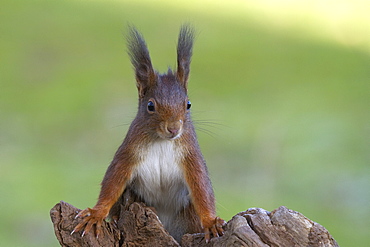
point(170, 120)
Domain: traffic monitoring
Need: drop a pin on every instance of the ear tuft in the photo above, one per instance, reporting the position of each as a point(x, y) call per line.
point(184, 53)
point(140, 59)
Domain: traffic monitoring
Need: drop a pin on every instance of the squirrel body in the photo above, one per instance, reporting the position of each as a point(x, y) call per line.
point(160, 162)
point(159, 177)
point(158, 180)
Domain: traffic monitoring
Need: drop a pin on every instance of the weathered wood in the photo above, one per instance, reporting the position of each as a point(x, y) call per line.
point(63, 217)
point(138, 225)
point(141, 227)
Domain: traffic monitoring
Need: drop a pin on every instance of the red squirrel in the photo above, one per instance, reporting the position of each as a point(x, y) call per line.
point(159, 161)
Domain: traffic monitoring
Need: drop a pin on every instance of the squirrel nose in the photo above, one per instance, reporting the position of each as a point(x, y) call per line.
point(173, 130)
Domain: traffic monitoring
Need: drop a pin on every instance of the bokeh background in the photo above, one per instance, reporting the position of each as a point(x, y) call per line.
point(280, 93)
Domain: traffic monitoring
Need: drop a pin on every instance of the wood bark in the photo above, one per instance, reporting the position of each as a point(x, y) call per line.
point(138, 225)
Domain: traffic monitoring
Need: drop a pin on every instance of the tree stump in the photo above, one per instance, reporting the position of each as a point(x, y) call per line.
point(139, 226)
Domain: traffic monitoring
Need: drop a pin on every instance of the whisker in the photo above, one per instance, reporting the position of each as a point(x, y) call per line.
point(208, 132)
point(211, 124)
point(222, 206)
point(204, 126)
point(120, 125)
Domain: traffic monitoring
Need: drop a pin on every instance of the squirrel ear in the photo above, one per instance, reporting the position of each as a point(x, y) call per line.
point(184, 52)
point(140, 59)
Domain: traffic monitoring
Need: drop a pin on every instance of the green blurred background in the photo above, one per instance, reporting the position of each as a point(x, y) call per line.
point(279, 88)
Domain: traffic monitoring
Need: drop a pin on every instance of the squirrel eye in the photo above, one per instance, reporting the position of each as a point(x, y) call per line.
point(151, 107)
point(188, 105)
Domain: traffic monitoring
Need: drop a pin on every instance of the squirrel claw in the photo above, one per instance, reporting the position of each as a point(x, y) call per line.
point(89, 218)
point(114, 221)
point(216, 229)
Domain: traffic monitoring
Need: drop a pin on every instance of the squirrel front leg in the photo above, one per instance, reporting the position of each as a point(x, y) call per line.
point(202, 195)
point(112, 187)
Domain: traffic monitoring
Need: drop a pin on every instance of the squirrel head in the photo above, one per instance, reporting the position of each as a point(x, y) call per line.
point(163, 100)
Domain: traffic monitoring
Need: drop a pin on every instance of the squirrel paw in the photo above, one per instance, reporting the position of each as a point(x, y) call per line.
point(90, 217)
point(216, 229)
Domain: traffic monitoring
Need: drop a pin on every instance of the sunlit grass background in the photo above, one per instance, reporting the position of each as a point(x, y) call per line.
point(282, 85)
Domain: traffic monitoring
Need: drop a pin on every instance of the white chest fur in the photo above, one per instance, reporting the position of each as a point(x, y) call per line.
point(159, 178)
